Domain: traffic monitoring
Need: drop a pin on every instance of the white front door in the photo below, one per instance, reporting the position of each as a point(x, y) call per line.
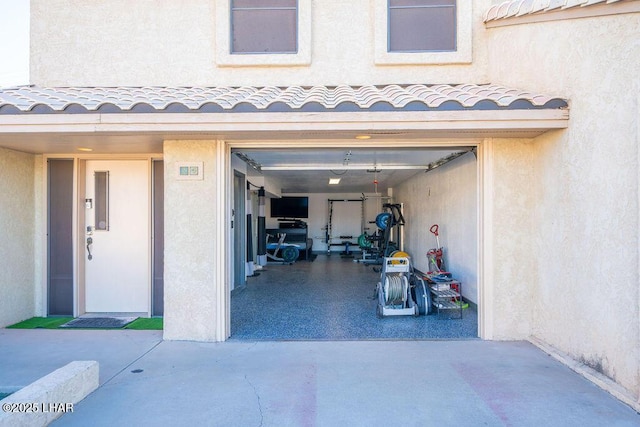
point(117, 236)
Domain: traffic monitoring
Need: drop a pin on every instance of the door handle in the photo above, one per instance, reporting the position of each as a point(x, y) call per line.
point(89, 243)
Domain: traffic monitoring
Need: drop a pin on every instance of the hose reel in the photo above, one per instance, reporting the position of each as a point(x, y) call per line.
point(393, 290)
point(396, 288)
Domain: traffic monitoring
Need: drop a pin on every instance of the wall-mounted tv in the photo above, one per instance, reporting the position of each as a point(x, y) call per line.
point(290, 207)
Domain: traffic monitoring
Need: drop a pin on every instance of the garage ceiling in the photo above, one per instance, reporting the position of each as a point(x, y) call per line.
point(309, 170)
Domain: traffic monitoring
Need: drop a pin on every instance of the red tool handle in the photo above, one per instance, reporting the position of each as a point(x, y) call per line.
point(434, 229)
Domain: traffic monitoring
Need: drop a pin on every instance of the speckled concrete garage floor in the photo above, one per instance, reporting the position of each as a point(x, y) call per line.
point(331, 298)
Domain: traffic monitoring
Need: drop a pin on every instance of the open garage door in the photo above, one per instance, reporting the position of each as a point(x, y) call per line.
point(333, 297)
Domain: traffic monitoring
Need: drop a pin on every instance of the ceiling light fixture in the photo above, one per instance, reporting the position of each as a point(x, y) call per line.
point(363, 136)
point(334, 181)
point(85, 149)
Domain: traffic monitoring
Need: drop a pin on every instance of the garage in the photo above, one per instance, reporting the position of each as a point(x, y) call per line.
point(434, 156)
point(325, 201)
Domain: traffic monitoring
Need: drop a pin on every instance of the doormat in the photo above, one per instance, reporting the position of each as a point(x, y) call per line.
point(99, 322)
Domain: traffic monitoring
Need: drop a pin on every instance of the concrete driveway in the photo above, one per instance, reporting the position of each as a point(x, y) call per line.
point(147, 381)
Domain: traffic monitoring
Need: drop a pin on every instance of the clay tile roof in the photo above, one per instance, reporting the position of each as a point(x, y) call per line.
point(512, 8)
point(416, 97)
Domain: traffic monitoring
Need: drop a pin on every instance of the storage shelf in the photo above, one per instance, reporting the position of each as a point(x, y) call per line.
point(449, 300)
point(447, 305)
point(449, 293)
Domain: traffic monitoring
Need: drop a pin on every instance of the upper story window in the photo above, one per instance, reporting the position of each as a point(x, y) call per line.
point(252, 33)
point(421, 25)
point(423, 32)
point(264, 26)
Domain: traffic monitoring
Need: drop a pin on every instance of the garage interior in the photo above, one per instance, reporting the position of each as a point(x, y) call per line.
point(331, 294)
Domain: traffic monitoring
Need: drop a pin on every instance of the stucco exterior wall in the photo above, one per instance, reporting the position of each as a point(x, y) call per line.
point(191, 288)
point(17, 208)
point(76, 43)
point(446, 196)
point(584, 300)
point(510, 258)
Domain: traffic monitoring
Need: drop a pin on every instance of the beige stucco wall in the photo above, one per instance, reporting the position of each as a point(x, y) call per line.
point(17, 209)
point(446, 196)
point(585, 297)
point(191, 288)
point(508, 253)
point(76, 43)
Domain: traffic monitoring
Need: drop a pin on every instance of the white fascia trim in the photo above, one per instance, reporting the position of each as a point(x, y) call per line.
point(224, 58)
point(566, 14)
point(285, 122)
point(464, 40)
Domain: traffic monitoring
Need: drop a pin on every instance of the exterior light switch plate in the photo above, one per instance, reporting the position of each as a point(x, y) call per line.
point(189, 171)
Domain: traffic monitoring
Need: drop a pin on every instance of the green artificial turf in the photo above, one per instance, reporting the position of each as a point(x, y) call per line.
point(41, 323)
point(144, 323)
point(154, 323)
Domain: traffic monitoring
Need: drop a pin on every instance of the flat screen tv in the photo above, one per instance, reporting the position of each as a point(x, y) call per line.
point(290, 207)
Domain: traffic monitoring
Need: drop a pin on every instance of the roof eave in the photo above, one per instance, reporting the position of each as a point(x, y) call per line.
point(144, 123)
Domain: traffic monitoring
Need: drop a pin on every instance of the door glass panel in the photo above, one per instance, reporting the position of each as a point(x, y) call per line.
point(60, 265)
point(102, 200)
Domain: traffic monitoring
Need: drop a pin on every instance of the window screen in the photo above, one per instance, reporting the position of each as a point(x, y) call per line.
point(264, 26)
point(421, 25)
